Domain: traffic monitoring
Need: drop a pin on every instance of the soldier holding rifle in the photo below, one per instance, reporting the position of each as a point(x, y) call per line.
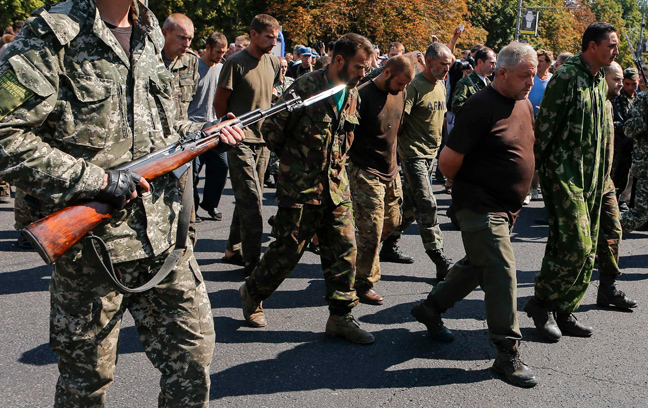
point(84, 90)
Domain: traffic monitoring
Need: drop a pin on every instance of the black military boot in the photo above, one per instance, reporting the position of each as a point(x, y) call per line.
point(442, 263)
point(390, 252)
point(609, 295)
point(542, 314)
point(429, 314)
point(508, 364)
point(568, 324)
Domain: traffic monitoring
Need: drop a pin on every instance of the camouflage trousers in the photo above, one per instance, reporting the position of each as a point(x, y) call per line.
point(173, 320)
point(376, 207)
point(571, 246)
point(490, 264)
point(638, 215)
point(609, 234)
point(22, 215)
point(293, 229)
point(247, 164)
point(419, 203)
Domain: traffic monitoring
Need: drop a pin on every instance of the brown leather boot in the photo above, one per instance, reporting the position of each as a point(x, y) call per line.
point(348, 328)
point(252, 310)
point(369, 296)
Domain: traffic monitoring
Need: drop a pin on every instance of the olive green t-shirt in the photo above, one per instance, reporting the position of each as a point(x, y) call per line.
point(425, 108)
point(251, 81)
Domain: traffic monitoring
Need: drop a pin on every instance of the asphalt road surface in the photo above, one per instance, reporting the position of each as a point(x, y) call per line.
point(291, 363)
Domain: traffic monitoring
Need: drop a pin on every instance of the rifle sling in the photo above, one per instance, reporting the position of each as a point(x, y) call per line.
point(169, 263)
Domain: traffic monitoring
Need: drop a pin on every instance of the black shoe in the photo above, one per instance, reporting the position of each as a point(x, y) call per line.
point(568, 324)
point(431, 318)
point(508, 364)
point(271, 221)
point(197, 219)
point(213, 213)
point(234, 260)
point(623, 207)
point(390, 252)
point(313, 248)
point(542, 315)
point(442, 263)
point(609, 295)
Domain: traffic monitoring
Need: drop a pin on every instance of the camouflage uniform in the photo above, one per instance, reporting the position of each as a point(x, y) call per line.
point(272, 170)
point(610, 230)
point(185, 82)
point(281, 87)
point(622, 160)
point(376, 207)
point(465, 88)
point(636, 129)
point(570, 156)
point(312, 193)
point(73, 104)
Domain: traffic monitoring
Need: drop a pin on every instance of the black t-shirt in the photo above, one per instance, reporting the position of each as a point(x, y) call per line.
point(374, 144)
point(123, 36)
point(495, 133)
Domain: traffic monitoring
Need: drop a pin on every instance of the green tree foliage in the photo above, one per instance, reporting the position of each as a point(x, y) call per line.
point(411, 22)
point(230, 17)
point(13, 10)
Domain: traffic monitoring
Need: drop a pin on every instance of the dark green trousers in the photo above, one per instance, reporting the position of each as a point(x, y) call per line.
point(490, 264)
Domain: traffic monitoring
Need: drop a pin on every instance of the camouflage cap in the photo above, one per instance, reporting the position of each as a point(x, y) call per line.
point(630, 73)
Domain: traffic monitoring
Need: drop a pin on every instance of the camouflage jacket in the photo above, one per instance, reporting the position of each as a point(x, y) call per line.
point(465, 88)
point(621, 105)
point(312, 145)
point(185, 82)
point(571, 129)
point(281, 87)
point(73, 104)
point(635, 127)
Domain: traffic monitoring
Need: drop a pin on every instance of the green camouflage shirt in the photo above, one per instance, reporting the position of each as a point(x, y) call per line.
point(185, 82)
point(621, 106)
point(312, 145)
point(465, 88)
point(635, 127)
point(73, 104)
point(571, 129)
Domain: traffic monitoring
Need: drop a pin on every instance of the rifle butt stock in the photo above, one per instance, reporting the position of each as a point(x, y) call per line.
point(55, 234)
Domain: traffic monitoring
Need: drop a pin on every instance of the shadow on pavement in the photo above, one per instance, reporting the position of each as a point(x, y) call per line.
point(26, 280)
point(326, 363)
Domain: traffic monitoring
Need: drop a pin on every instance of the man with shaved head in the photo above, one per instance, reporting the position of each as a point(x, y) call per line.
point(610, 225)
point(178, 33)
point(418, 145)
point(373, 172)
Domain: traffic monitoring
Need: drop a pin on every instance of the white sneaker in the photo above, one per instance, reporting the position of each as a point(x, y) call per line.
point(527, 199)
